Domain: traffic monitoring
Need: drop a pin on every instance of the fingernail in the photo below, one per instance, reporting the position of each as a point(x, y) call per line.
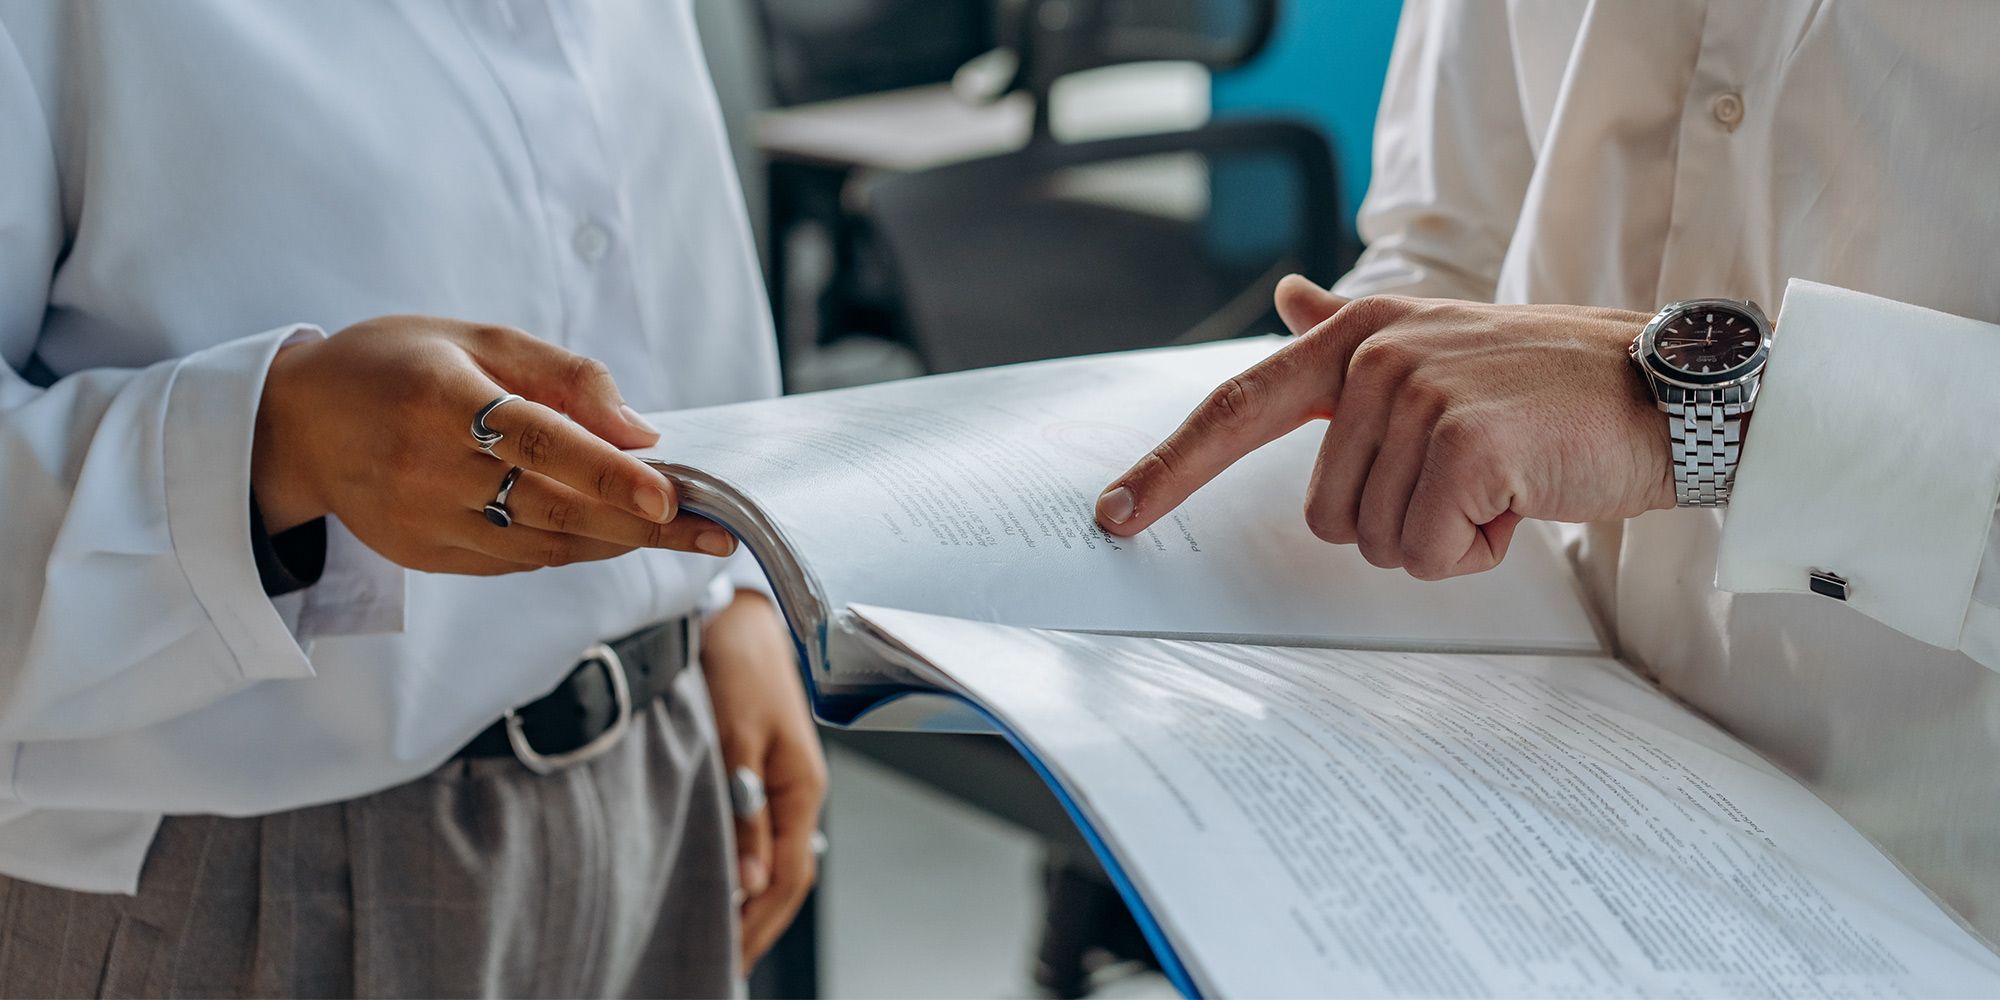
point(652, 502)
point(715, 543)
point(632, 417)
point(1116, 506)
point(755, 878)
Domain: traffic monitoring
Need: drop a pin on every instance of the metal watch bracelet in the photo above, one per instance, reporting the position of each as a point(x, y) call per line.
point(1707, 429)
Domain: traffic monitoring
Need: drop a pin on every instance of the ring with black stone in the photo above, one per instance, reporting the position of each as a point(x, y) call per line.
point(497, 511)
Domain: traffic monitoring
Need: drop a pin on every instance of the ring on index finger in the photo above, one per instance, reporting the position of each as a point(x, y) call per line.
point(486, 437)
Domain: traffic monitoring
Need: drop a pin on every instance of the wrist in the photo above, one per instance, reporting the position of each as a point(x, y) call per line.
point(279, 479)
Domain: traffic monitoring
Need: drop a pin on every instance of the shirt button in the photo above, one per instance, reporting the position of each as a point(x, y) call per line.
point(1728, 109)
point(590, 242)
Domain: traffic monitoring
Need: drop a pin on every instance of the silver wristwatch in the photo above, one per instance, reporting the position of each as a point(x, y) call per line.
point(1703, 360)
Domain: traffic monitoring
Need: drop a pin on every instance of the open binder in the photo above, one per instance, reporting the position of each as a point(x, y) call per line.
point(931, 545)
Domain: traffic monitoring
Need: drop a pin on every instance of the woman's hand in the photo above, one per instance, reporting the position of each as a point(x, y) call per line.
point(373, 424)
point(764, 724)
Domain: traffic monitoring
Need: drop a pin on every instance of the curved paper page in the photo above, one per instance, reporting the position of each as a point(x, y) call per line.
point(972, 495)
point(1334, 823)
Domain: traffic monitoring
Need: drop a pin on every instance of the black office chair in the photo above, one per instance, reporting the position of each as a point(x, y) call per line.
point(1064, 249)
point(1043, 41)
point(820, 50)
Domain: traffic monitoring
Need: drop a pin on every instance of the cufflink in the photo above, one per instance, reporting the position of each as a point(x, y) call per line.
point(1827, 584)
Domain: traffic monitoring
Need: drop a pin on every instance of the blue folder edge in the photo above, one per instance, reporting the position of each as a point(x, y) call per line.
point(1156, 936)
point(844, 711)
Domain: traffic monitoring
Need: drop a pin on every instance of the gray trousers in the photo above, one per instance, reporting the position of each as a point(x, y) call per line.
point(481, 879)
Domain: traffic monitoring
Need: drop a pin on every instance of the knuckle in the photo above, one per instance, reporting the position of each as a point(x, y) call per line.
point(1332, 526)
point(1423, 558)
point(559, 551)
point(606, 481)
point(1427, 568)
point(1427, 394)
point(538, 444)
point(1373, 311)
point(659, 536)
point(1380, 556)
point(1458, 440)
point(1235, 402)
point(1377, 538)
point(564, 514)
point(1385, 358)
point(492, 336)
point(1164, 462)
point(586, 373)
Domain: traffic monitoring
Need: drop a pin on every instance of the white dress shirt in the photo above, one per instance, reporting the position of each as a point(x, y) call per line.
point(186, 186)
point(1631, 154)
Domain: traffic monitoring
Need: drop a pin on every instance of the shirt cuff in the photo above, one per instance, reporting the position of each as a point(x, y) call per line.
point(211, 419)
point(360, 592)
point(1872, 454)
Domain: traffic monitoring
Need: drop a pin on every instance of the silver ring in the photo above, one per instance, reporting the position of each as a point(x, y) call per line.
point(746, 793)
point(496, 510)
point(486, 437)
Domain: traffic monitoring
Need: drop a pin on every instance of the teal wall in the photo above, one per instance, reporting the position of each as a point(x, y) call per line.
point(1324, 62)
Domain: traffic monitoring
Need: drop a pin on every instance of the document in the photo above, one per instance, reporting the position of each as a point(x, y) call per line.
point(973, 495)
point(1312, 822)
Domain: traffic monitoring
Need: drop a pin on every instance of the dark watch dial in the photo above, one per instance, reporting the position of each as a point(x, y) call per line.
point(1706, 340)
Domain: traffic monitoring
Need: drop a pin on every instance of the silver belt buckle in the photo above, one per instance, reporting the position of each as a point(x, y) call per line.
point(621, 696)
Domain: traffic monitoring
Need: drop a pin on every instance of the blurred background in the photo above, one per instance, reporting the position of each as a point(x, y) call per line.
point(947, 184)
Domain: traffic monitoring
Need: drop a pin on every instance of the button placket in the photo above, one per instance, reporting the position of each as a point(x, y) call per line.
point(533, 67)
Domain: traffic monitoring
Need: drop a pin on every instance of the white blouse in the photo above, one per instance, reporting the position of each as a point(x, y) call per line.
point(185, 186)
point(1630, 154)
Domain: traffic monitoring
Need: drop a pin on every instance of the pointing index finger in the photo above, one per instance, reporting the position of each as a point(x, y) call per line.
point(1243, 414)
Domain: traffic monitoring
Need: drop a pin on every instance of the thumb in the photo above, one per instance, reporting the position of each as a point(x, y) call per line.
point(1304, 305)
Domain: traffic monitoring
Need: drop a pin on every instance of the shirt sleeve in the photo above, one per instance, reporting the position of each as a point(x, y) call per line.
point(744, 573)
point(1452, 159)
point(1874, 454)
point(128, 590)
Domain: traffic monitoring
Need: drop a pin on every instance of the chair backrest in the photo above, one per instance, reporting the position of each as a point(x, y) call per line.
point(824, 49)
point(1064, 249)
point(1059, 37)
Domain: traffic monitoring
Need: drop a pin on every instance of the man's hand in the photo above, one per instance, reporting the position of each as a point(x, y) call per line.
point(373, 425)
point(764, 725)
point(1449, 422)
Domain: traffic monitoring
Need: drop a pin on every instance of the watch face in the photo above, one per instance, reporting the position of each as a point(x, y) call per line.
point(1708, 340)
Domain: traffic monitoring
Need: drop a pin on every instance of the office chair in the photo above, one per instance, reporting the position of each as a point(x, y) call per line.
point(1063, 249)
point(820, 50)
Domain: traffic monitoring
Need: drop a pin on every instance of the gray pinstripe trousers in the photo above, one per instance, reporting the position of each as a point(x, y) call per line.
point(481, 879)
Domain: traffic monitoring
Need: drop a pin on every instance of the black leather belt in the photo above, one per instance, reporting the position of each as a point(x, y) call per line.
point(588, 713)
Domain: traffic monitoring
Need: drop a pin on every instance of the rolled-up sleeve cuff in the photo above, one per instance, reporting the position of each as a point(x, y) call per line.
point(1873, 454)
point(359, 593)
point(211, 418)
